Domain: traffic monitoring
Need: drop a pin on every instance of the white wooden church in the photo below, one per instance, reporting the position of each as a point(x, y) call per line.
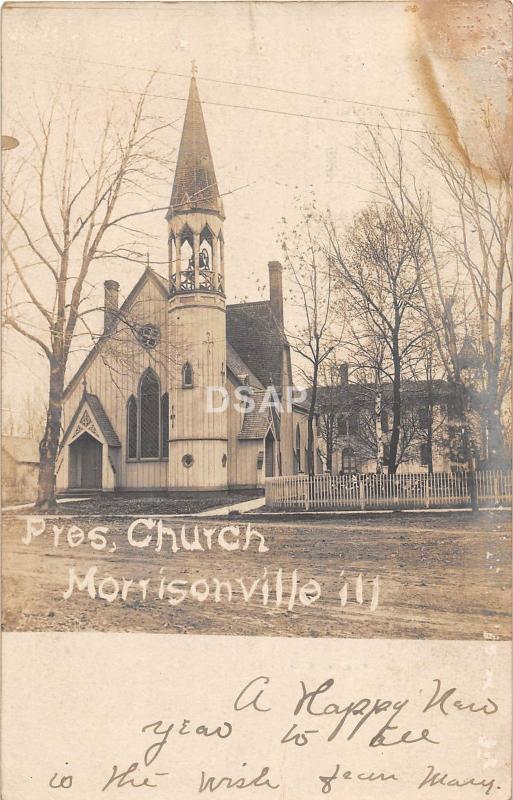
point(136, 413)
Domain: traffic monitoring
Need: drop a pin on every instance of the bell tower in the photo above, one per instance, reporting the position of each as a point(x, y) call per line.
point(198, 439)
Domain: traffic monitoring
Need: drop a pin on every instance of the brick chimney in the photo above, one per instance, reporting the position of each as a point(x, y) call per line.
point(276, 290)
point(344, 375)
point(110, 304)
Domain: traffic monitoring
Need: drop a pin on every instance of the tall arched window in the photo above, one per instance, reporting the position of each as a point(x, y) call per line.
point(149, 405)
point(131, 427)
point(187, 258)
point(164, 422)
point(206, 259)
point(298, 447)
point(187, 376)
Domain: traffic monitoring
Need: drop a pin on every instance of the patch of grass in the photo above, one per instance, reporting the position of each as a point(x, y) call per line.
point(144, 504)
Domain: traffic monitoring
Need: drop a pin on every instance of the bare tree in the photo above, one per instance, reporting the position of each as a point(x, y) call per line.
point(318, 324)
point(376, 270)
point(330, 405)
point(61, 202)
point(469, 263)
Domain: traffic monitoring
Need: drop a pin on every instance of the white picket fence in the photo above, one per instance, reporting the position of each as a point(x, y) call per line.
point(370, 491)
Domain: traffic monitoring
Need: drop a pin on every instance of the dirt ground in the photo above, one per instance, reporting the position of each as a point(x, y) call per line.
point(443, 576)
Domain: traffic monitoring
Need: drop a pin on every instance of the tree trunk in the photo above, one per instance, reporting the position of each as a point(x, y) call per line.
point(311, 414)
point(49, 444)
point(396, 410)
point(329, 444)
point(496, 456)
point(430, 405)
point(378, 408)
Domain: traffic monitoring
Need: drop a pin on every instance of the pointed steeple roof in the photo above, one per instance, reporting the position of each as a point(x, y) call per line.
point(195, 184)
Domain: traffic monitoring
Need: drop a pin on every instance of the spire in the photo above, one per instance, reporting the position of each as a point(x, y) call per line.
point(195, 184)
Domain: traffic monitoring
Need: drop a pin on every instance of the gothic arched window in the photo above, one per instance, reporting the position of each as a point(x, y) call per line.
point(131, 427)
point(164, 421)
point(187, 258)
point(149, 415)
point(187, 377)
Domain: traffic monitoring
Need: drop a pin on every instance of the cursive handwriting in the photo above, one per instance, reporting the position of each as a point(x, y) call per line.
point(358, 712)
point(441, 700)
point(222, 731)
point(129, 777)
point(434, 778)
point(261, 781)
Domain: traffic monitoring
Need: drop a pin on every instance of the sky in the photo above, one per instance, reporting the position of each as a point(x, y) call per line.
point(328, 68)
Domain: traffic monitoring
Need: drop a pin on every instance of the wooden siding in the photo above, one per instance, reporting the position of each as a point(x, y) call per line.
point(113, 381)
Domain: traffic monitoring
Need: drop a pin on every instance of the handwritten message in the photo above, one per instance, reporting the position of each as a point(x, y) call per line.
point(127, 715)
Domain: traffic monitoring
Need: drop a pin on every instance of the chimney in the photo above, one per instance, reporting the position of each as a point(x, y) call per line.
point(344, 375)
point(110, 304)
point(276, 290)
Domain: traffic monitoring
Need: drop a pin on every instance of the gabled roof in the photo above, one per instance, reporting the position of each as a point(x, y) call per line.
point(256, 336)
point(195, 184)
point(21, 448)
point(100, 417)
point(148, 274)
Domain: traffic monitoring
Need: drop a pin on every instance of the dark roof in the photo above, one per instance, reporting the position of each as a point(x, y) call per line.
point(100, 416)
point(103, 421)
point(195, 184)
point(256, 336)
point(256, 424)
point(239, 368)
point(148, 274)
point(21, 448)
point(359, 393)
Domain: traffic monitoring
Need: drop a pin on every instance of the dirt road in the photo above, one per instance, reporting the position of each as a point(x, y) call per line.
point(444, 576)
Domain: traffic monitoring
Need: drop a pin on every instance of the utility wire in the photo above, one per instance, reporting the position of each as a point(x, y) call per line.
point(358, 123)
point(249, 86)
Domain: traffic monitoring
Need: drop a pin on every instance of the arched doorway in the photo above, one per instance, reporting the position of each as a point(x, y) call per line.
point(269, 454)
point(85, 463)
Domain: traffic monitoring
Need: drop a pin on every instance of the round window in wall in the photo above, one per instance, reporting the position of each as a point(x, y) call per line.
point(148, 336)
point(187, 460)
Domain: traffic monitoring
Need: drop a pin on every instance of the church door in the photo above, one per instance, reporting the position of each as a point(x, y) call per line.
point(85, 463)
point(269, 455)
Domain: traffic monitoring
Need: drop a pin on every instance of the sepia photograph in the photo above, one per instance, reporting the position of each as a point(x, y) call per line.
point(256, 310)
point(256, 399)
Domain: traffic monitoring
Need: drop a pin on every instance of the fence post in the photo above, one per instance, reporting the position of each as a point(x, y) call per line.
point(428, 487)
point(362, 493)
point(472, 489)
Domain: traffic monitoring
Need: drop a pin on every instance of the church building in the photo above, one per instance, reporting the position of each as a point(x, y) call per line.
point(161, 402)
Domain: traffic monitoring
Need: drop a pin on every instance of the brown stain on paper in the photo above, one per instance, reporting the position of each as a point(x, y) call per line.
point(463, 59)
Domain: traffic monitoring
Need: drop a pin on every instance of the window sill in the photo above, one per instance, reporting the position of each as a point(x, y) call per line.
point(146, 460)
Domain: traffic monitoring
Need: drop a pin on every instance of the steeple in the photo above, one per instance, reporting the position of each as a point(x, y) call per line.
point(195, 216)
point(195, 184)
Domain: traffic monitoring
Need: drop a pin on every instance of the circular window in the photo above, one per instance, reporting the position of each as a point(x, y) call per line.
point(148, 336)
point(187, 460)
point(224, 460)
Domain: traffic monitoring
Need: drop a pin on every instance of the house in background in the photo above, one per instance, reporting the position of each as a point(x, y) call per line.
point(20, 466)
point(143, 411)
point(348, 423)
point(430, 439)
